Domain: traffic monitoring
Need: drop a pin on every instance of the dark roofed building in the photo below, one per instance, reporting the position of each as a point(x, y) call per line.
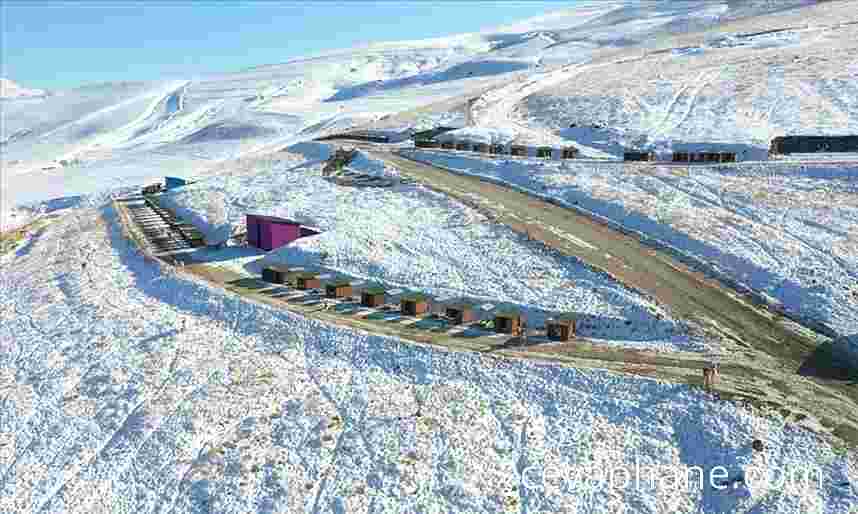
point(460, 313)
point(508, 322)
point(638, 156)
point(681, 156)
point(569, 152)
point(373, 296)
point(813, 144)
point(562, 327)
point(307, 280)
point(518, 150)
point(414, 304)
point(275, 273)
point(338, 289)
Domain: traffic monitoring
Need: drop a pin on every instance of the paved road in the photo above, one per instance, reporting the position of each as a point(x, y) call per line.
point(774, 362)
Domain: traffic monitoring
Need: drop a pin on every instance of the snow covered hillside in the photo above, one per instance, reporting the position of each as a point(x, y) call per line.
point(130, 386)
point(105, 135)
point(790, 231)
point(126, 388)
point(411, 237)
point(743, 83)
point(9, 89)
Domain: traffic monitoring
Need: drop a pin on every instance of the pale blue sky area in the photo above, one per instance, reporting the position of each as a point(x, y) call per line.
point(65, 44)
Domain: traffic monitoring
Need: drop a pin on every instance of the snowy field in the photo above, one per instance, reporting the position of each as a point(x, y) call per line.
point(128, 388)
point(790, 231)
point(411, 237)
point(125, 389)
point(743, 84)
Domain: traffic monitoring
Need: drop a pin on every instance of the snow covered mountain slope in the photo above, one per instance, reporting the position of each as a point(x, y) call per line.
point(126, 388)
point(742, 82)
point(112, 134)
point(9, 89)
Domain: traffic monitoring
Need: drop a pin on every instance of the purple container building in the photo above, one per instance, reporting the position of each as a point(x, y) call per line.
point(269, 232)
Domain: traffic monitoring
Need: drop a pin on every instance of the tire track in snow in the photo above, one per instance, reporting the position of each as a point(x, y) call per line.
point(695, 97)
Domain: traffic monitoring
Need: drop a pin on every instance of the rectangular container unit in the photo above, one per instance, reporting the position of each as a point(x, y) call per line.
point(460, 313)
point(569, 153)
point(275, 274)
point(338, 289)
point(508, 322)
point(269, 232)
point(681, 157)
point(813, 144)
point(639, 156)
point(561, 328)
point(414, 304)
point(372, 297)
point(544, 152)
point(518, 150)
point(305, 281)
point(728, 157)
